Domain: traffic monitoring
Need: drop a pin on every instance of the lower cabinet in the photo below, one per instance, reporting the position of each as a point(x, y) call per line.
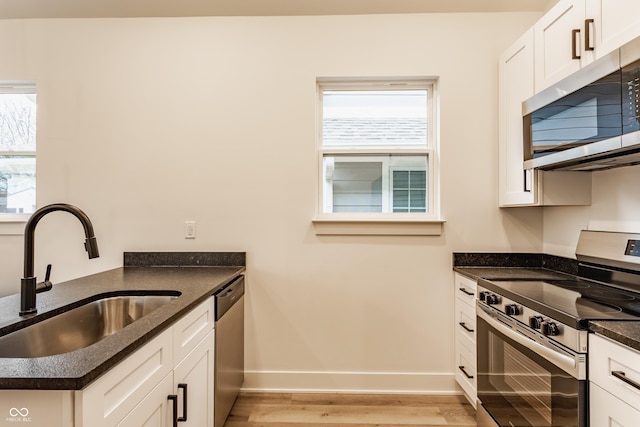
point(614, 383)
point(170, 377)
point(465, 336)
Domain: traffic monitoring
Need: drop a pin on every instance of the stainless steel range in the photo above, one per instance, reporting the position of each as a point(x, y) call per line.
point(533, 338)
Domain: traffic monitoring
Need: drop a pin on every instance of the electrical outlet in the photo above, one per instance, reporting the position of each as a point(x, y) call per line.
point(189, 229)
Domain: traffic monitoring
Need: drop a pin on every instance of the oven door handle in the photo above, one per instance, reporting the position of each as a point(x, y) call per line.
point(562, 361)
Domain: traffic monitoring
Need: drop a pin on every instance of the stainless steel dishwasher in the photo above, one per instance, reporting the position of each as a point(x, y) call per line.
point(229, 359)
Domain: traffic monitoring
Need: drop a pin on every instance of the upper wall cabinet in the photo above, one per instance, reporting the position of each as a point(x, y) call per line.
point(575, 32)
point(558, 40)
point(517, 186)
point(515, 74)
point(615, 22)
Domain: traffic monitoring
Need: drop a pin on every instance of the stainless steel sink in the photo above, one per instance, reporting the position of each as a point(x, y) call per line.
point(81, 326)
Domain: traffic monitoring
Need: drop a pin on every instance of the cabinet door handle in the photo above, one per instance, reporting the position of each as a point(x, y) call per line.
point(465, 291)
point(623, 377)
point(465, 372)
point(466, 328)
point(526, 183)
point(174, 418)
point(574, 44)
point(183, 418)
point(587, 34)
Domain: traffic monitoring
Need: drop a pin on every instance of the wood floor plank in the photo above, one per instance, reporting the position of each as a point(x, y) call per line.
point(348, 414)
point(349, 410)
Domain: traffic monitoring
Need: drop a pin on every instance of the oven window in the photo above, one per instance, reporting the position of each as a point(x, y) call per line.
point(518, 387)
point(524, 384)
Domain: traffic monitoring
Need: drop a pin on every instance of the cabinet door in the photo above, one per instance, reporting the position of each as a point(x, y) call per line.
point(515, 71)
point(555, 40)
point(155, 410)
point(615, 22)
point(606, 410)
point(193, 376)
point(106, 401)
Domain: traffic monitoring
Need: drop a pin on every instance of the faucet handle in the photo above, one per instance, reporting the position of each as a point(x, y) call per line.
point(46, 285)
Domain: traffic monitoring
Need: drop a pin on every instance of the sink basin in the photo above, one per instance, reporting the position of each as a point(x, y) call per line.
point(81, 326)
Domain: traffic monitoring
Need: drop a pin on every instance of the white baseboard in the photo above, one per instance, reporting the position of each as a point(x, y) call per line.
point(351, 382)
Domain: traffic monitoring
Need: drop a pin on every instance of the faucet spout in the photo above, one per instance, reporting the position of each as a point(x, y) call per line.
point(29, 281)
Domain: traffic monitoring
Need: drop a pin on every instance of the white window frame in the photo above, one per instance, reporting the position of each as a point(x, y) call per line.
point(431, 150)
point(18, 87)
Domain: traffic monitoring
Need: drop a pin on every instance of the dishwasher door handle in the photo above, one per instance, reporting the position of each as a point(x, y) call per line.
point(228, 296)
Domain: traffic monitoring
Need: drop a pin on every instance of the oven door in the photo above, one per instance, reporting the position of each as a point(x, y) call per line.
point(526, 380)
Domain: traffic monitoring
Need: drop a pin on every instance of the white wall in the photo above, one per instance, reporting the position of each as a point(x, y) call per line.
point(146, 123)
point(615, 207)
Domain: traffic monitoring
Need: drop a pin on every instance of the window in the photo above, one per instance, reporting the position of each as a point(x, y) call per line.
point(377, 150)
point(17, 148)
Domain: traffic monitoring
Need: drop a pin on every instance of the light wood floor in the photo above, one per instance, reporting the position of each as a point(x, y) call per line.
point(349, 410)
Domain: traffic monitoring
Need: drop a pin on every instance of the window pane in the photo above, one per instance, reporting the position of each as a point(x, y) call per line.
point(357, 186)
point(17, 184)
point(375, 183)
point(409, 190)
point(17, 122)
point(374, 118)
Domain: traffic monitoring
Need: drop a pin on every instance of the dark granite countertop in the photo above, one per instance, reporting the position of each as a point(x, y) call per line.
point(625, 332)
point(196, 275)
point(511, 273)
point(532, 266)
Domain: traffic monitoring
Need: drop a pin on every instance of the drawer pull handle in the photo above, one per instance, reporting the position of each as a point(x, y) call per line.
point(463, 290)
point(465, 372)
point(466, 328)
point(623, 377)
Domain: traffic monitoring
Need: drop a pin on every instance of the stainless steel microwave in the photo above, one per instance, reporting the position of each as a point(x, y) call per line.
point(588, 121)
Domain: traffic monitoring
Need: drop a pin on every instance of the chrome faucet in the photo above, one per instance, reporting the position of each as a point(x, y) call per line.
point(29, 286)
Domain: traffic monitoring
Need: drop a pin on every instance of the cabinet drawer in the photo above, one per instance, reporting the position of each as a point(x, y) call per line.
point(465, 322)
point(465, 370)
point(109, 399)
point(607, 410)
point(465, 288)
point(190, 329)
point(615, 368)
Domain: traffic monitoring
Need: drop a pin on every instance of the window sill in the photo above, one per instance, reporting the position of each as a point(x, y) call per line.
point(378, 227)
point(13, 225)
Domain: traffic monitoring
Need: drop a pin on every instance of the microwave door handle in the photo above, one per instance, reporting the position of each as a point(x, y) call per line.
point(564, 362)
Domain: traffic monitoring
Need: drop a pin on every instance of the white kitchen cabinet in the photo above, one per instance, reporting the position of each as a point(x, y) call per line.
point(465, 336)
point(614, 383)
point(106, 401)
point(576, 32)
point(519, 187)
point(559, 47)
point(606, 410)
point(615, 22)
point(196, 371)
point(155, 410)
point(515, 74)
point(135, 392)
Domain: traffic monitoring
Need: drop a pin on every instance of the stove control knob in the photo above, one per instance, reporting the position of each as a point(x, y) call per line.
point(512, 310)
point(550, 329)
point(483, 295)
point(536, 322)
point(492, 299)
